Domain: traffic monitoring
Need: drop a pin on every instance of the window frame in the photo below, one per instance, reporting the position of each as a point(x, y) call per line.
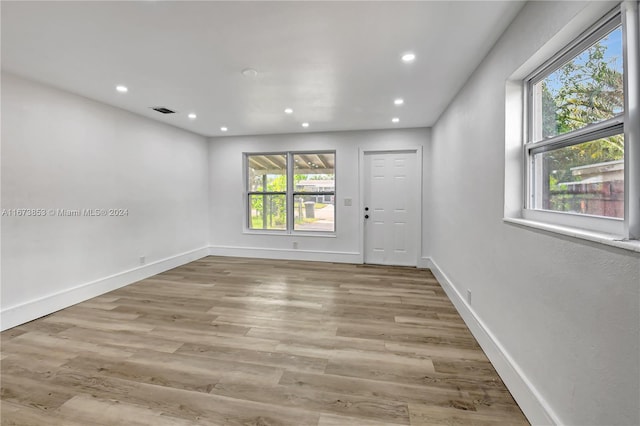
point(289, 194)
point(591, 132)
point(248, 193)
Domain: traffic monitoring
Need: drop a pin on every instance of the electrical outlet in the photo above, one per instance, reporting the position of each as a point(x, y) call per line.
point(347, 202)
point(469, 296)
point(143, 260)
point(295, 245)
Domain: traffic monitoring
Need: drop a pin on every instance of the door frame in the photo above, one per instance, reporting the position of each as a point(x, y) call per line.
point(419, 189)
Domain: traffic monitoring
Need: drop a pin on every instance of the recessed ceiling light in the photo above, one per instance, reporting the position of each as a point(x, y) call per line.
point(192, 116)
point(122, 89)
point(399, 101)
point(249, 72)
point(408, 57)
point(395, 119)
point(288, 111)
point(223, 129)
point(305, 124)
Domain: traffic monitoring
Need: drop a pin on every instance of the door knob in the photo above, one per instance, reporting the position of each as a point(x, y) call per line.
point(366, 216)
point(366, 209)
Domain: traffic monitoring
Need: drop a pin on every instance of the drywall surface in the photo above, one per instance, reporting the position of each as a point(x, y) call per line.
point(64, 152)
point(566, 311)
point(227, 209)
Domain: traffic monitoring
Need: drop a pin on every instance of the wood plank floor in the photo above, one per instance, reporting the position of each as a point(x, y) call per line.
point(231, 341)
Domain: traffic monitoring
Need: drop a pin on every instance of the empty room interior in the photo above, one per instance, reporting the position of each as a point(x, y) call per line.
point(320, 213)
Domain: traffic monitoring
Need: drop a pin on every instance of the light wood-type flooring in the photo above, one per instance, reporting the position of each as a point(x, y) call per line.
point(231, 341)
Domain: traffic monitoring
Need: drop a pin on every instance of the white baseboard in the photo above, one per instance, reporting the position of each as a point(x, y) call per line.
point(533, 405)
point(33, 309)
point(285, 254)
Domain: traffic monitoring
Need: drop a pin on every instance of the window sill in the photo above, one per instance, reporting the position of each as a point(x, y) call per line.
point(583, 234)
point(291, 234)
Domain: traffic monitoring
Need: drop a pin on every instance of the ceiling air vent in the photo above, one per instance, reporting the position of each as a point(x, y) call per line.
point(163, 110)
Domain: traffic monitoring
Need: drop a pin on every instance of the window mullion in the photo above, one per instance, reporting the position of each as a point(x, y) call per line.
point(267, 193)
point(314, 193)
point(604, 129)
point(289, 197)
point(631, 48)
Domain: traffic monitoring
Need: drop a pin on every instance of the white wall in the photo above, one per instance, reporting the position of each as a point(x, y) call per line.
point(62, 151)
point(227, 187)
point(565, 311)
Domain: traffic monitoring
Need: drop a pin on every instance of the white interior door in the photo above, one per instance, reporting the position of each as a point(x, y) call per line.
point(391, 203)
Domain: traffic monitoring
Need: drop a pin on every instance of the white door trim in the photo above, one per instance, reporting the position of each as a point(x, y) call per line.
point(361, 187)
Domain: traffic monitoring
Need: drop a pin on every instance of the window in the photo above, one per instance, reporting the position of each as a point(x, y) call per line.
point(291, 191)
point(576, 122)
point(314, 192)
point(267, 181)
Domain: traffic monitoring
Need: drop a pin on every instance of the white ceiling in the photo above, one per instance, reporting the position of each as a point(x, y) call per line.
point(337, 64)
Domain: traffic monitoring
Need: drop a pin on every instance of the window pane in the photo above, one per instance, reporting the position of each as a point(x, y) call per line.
point(314, 172)
point(267, 173)
point(267, 211)
point(588, 89)
point(587, 178)
point(314, 212)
